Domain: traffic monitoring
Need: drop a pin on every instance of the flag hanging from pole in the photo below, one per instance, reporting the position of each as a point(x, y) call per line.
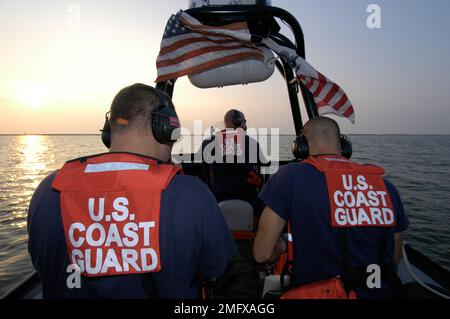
point(189, 47)
point(329, 96)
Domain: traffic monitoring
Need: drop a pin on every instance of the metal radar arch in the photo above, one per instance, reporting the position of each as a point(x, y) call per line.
point(261, 19)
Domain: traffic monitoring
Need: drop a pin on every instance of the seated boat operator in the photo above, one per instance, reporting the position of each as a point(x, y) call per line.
point(128, 220)
point(342, 218)
point(235, 159)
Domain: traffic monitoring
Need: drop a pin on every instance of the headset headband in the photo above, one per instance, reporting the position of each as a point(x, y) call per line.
point(164, 121)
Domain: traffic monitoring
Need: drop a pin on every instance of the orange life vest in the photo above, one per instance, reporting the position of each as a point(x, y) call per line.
point(358, 198)
point(327, 289)
point(110, 207)
point(358, 195)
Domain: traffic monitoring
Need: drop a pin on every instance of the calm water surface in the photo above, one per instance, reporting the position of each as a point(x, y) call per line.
point(418, 165)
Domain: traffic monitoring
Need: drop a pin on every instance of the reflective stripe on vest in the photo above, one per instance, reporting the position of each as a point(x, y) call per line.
point(358, 195)
point(110, 207)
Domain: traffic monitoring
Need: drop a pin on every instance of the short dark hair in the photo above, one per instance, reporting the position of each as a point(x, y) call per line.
point(234, 114)
point(133, 105)
point(321, 128)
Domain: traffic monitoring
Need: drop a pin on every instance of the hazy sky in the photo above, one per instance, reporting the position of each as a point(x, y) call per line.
point(59, 78)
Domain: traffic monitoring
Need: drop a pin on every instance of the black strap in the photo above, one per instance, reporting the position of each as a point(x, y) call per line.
point(288, 266)
point(149, 286)
point(287, 271)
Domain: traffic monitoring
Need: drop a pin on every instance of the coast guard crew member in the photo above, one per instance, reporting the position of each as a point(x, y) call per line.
point(342, 216)
point(131, 223)
point(235, 158)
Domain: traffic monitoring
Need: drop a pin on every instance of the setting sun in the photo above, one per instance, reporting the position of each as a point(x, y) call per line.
point(33, 94)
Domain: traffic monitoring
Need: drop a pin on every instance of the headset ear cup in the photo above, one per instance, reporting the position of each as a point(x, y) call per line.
point(300, 148)
point(156, 127)
point(346, 146)
point(164, 123)
point(106, 133)
point(165, 120)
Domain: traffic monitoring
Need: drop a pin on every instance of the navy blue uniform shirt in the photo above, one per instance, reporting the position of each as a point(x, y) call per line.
point(298, 194)
point(229, 180)
point(193, 238)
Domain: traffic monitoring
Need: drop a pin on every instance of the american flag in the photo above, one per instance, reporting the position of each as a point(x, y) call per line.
point(329, 97)
point(189, 47)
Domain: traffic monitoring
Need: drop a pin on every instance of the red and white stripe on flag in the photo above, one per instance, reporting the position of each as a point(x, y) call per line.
point(329, 97)
point(189, 47)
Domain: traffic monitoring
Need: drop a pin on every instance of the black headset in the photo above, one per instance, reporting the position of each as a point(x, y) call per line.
point(300, 147)
point(164, 121)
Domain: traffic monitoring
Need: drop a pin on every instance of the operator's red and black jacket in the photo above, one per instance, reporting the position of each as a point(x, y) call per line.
point(234, 161)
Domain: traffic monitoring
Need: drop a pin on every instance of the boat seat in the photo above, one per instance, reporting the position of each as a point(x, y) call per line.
point(241, 279)
point(272, 287)
point(239, 216)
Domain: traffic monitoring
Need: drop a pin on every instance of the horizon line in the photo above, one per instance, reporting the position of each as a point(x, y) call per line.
point(284, 134)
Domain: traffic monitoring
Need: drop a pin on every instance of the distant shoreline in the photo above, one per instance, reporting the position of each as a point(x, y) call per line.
point(368, 134)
